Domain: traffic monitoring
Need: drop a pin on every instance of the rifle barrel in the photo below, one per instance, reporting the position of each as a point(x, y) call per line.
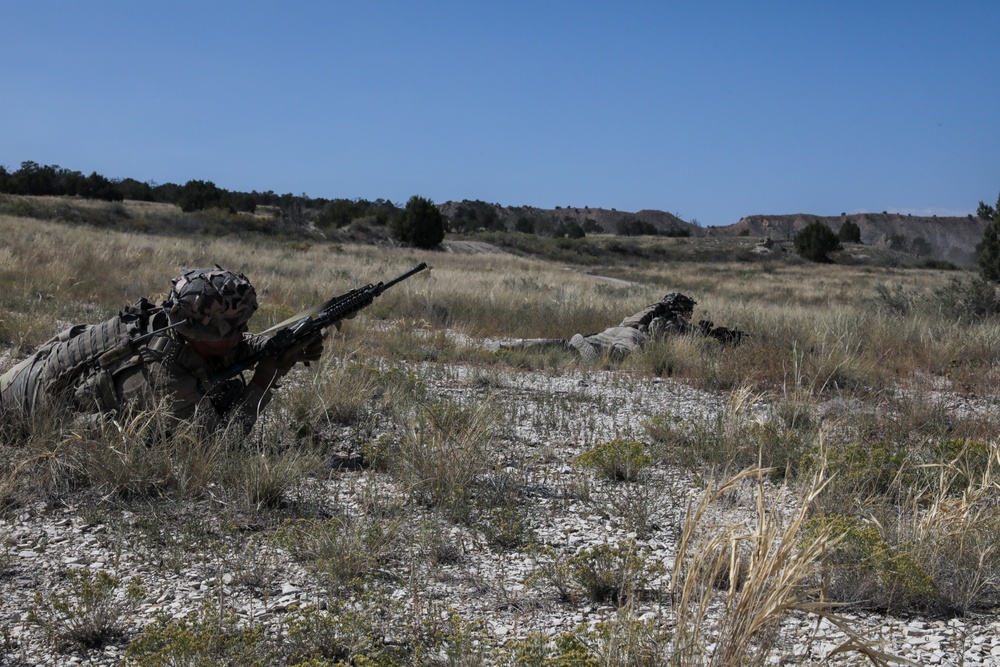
point(417, 269)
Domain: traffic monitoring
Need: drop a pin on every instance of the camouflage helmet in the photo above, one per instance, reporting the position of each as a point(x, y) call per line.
point(213, 303)
point(675, 302)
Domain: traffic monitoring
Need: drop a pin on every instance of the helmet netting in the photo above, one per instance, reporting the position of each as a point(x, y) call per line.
point(212, 303)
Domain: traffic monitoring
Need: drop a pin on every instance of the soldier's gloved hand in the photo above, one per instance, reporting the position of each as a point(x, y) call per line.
point(311, 350)
point(270, 369)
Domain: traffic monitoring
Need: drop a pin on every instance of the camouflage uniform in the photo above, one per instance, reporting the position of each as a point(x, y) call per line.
point(670, 316)
point(132, 362)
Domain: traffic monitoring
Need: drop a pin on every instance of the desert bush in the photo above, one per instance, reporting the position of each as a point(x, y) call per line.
point(210, 636)
point(602, 573)
point(499, 507)
point(643, 508)
point(90, 612)
point(618, 459)
point(893, 299)
point(551, 570)
point(621, 641)
point(945, 525)
point(612, 572)
point(965, 299)
point(369, 629)
point(858, 471)
point(816, 241)
point(767, 570)
point(733, 438)
point(863, 569)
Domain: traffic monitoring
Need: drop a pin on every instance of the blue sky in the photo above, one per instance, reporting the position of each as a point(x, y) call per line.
point(710, 110)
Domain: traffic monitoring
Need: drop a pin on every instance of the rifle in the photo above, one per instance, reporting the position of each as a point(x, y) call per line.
point(302, 327)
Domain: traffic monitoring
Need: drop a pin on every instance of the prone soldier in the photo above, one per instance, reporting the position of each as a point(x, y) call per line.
point(170, 353)
point(670, 316)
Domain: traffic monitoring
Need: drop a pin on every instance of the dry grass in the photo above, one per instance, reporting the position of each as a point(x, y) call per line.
point(767, 572)
point(819, 336)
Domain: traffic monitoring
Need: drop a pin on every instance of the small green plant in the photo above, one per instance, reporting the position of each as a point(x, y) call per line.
point(611, 572)
point(618, 459)
point(864, 569)
point(90, 613)
point(620, 641)
point(506, 527)
point(857, 470)
point(566, 650)
point(968, 461)
point(345, 550)
point(443, 455)
point(552, 570)
point(643, 508)
point(204, 638)
point(731, 439)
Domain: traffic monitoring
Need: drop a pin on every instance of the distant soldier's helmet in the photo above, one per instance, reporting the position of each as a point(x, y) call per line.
point(675, 302)
point(211, 304)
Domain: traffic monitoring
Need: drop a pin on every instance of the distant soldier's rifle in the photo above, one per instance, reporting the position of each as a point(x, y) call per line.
point(305, 326)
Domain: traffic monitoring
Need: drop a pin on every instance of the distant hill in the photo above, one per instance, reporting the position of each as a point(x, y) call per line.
point(475, 215)
point(952, 239)
point(945, 238)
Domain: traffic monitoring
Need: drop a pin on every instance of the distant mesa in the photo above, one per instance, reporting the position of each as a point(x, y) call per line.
point(951, 239)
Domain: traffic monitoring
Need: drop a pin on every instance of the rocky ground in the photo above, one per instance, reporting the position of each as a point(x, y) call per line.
point(549, 421)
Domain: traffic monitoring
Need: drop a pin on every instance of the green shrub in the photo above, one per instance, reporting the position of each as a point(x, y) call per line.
point(419, 224)
point(618, 459)
point(863, 569)
point(443, 455)
point(850, 232)
point(618, 642)
point(966, 299)
point(344, 550)
point(893, 299)
point(729, 442)
point(201, 639)
point(611, 572)
point(816, 241)
point(988, 248)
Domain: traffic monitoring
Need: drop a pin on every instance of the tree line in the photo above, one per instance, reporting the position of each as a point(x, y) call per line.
point(418, 223)
point(194, 195)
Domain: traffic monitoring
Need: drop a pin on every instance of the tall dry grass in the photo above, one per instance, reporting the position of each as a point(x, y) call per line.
point(814, 327)
point(766, 572)
point(818, 335)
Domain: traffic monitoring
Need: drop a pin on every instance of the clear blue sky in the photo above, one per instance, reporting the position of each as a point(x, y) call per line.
point(711, 110)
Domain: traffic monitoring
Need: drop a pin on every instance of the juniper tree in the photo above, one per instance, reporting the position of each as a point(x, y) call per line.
point(989, 248)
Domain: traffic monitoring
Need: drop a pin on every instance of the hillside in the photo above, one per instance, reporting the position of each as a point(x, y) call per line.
point(473, 215)
point(888, 238)
point(953, 239)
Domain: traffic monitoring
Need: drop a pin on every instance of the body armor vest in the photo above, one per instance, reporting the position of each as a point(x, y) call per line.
point(79, 363)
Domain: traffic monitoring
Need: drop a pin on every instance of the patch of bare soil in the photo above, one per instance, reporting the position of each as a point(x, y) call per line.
point(472, 248)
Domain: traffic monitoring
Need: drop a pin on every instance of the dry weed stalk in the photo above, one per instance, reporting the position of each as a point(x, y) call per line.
point(955, 535)
point(767, 572)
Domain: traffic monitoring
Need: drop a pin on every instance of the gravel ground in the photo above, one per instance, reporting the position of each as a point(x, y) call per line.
point(549, 420)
